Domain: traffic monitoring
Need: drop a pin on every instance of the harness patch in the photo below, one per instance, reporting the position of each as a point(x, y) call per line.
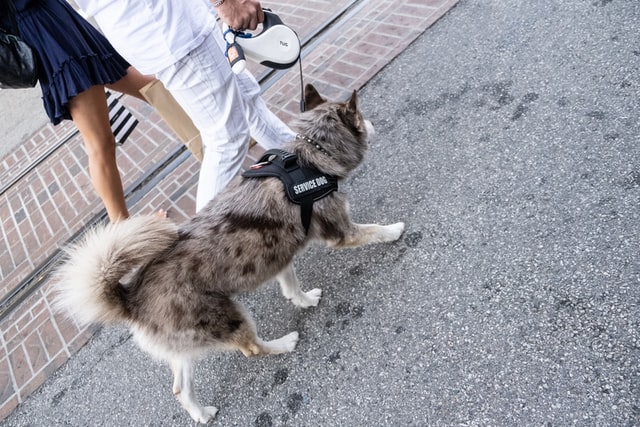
point(310, 185)
point(303, 185)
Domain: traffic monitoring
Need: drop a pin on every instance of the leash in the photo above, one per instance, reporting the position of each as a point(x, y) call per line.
point(303, 105)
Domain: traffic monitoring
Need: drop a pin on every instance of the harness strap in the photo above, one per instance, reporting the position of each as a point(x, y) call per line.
point(303, 185)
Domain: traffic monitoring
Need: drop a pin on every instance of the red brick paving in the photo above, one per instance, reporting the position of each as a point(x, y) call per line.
point(54, 201)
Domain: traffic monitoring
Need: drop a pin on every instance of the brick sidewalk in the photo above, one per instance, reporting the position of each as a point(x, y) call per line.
point(54, 201)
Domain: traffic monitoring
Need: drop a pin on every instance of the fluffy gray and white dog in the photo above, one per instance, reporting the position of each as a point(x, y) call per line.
point(178, 302)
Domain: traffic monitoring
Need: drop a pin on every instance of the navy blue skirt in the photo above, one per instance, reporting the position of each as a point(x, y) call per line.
point(73, 55)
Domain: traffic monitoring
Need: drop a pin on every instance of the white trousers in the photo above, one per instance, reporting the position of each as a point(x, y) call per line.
point(226, 108)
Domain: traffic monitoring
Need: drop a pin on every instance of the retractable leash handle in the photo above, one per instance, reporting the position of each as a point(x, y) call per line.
point(275, 46)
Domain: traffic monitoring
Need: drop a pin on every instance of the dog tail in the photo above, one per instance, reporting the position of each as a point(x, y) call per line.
point(88, 284)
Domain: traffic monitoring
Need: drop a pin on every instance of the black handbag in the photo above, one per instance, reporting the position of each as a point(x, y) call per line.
point(18, 62)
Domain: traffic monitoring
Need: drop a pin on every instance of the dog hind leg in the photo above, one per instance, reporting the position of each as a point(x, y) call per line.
point(370, 233)
point(183, 389)
point(247, 341)
point(291, 289)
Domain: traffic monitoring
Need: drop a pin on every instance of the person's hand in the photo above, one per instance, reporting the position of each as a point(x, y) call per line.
point(241, 14)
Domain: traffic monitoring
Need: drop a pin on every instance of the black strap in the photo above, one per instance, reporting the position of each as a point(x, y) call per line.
point(303, 185)
point(303, 104)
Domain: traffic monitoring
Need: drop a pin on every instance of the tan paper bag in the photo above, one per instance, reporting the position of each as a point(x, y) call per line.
point(171, 112)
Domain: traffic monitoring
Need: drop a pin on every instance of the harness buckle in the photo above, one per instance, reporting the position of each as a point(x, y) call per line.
point(289, 160)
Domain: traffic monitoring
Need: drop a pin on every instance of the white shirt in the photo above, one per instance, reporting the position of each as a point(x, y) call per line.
point(152, 34)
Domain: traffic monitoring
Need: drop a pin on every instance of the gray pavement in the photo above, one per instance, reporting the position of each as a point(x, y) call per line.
point(508, 141)
point(22, 114)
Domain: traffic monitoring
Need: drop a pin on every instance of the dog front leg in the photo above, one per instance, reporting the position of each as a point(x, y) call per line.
point(291, 289)
point(364, 234)
point(183, 389)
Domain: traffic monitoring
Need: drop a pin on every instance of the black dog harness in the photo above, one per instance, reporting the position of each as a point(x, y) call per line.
point(303, 185)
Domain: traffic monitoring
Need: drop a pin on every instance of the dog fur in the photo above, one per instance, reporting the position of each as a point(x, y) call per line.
point(178, 302)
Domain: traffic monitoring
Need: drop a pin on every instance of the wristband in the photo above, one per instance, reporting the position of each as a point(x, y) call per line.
point(218, 3)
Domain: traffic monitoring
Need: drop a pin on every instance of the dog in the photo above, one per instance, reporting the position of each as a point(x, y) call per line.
point(177, 298)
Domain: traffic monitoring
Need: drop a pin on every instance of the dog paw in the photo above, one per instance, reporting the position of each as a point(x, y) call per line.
point(313, 296)
point(211, 411)
point(283, 344)
point(308, 299)
point(205, 414)
point(394, 231)
point(289, 341)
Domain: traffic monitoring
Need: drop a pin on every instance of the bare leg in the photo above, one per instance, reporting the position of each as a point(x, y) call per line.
point(370, 233)
point(291, 289)
point(132, 83)
point(183, 389)
point(90, 114)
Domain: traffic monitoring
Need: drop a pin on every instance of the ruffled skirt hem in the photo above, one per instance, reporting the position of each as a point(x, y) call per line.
point(75, 76)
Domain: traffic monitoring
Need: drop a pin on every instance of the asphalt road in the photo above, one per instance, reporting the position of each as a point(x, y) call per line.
point(508, 141)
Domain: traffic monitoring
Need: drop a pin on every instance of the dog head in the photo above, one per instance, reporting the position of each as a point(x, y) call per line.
point(333, 136)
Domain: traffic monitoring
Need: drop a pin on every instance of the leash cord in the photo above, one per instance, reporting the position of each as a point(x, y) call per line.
point(303, 107)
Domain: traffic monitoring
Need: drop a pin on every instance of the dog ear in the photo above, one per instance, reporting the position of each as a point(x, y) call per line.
point(352, 105)
point(350, 111)
point(311, 97)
